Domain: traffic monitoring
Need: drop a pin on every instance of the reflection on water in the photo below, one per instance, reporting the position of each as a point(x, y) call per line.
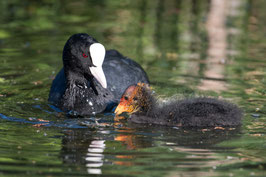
point(189, 148)
point(95, 157)
point(184, 45)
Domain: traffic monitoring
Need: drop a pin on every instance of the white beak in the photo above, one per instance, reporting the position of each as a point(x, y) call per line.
point(97, 52)
point(97, 72)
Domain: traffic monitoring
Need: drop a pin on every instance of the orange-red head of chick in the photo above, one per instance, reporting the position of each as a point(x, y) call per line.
point(135, 99)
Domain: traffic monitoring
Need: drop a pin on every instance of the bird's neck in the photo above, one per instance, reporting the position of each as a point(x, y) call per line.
point(78, 79)
point(147, 101)
point(77, 86)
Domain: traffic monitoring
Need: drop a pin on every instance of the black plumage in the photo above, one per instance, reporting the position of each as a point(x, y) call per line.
point(75, 87)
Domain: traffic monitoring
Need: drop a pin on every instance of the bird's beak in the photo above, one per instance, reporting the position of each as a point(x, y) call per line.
point(98, 73)
point(120, 109)
point(97, 52)
point(124, 108)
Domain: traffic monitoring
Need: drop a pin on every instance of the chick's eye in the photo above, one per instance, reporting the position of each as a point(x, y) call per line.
point(125, 97)
point(84, 55)
point(135, 98)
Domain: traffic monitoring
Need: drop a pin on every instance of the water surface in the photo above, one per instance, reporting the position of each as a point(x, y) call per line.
point(185, 49)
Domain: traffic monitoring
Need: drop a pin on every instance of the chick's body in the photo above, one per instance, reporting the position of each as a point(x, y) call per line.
point(191, 112)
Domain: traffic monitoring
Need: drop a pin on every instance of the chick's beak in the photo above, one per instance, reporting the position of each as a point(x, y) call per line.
point(122, 107)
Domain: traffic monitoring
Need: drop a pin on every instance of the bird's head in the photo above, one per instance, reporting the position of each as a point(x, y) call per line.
point(135, 99)
point(83, 55)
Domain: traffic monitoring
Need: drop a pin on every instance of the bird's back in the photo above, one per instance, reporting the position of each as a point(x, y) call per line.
point(192, 112)
point(207, 112)
point(121, 72)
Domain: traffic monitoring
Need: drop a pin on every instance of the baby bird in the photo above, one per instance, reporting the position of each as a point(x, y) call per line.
point(141, 104)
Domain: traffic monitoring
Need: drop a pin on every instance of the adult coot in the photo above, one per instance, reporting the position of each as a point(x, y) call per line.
point(91, 78)
point(143, 107)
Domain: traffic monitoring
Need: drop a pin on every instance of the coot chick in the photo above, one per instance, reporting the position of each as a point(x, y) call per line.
point(91, 78)
point(143, 107)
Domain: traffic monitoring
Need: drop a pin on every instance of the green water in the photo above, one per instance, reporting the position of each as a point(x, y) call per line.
point(184, 52)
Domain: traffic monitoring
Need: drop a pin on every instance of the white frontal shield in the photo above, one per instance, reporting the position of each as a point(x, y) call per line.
point(97, 52)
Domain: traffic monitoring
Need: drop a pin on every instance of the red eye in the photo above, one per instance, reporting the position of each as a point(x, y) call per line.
point(84, 55)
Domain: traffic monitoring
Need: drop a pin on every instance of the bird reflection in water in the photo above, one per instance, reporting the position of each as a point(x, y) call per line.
point(95, 156)
point(113, 146)
point(82, 146)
